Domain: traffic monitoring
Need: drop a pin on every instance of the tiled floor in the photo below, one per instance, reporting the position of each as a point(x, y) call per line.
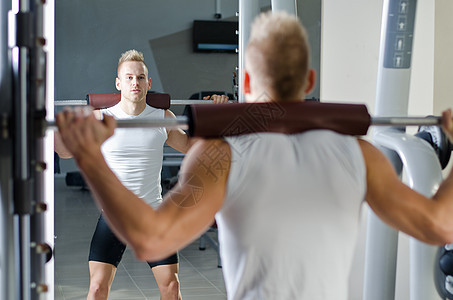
point(75, 219)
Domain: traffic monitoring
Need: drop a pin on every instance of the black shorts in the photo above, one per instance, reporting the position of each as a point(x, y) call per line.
point(107, 248)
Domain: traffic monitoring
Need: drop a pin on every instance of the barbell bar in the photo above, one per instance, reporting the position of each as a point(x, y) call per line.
point(178, 122)
point(183, 122)
point(406, 121)
point(212, 121)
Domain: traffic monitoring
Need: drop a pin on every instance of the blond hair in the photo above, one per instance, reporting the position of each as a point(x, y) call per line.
point(278, 55)
point(131, 55)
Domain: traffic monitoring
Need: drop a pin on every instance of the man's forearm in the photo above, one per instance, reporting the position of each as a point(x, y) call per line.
point(60, 148)
point(444, 199)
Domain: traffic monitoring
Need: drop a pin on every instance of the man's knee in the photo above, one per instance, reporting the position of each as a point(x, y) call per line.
point(101, 278)
point(98, 290)
point(170, 290)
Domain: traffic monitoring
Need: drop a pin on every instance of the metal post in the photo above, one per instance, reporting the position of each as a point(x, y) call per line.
point(395, 54)
point(28, 66)
point(49, 47)
point(380, 253)
point(391, 99)
point(248, 10)
point(21, 159)
point(37, 103)
point(289, 6)
point(8, 270)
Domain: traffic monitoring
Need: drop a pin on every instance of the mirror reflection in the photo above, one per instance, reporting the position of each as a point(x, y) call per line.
point(90, 38)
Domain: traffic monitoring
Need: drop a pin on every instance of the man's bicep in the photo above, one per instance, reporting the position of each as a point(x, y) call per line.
point(383, 184)
point(188, 211)
point(200, 191)
point(203, 176)
point(176, 138)
point(60, 148)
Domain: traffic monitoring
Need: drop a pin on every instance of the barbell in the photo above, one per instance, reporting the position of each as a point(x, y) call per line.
point(211, 121)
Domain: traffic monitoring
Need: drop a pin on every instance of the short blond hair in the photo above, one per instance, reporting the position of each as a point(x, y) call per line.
point(278, 54)
point(131, 55)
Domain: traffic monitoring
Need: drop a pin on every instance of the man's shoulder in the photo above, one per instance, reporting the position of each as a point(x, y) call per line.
point(208, 159)
point(213, 146)
point(154, 112)
point(209, 152)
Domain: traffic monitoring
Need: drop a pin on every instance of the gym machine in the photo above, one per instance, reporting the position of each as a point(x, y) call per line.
point(423, 167)
point(22, 112)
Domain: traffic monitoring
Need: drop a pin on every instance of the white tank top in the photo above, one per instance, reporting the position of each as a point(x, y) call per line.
point(135, 155)
point(288, 225)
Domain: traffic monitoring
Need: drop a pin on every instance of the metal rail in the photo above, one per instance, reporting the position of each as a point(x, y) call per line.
point(405, 121)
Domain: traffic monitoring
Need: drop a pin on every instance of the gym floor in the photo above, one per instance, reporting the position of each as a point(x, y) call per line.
point(75, 219)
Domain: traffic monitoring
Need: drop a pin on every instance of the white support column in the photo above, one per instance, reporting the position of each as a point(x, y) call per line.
point(218, 8)
point(420, 162)
point(7, 251)
point(49, 35)
point(392, 96)
point(248, 10)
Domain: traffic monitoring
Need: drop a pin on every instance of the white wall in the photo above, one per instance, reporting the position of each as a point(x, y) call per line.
point(91, 35)
point(350, 50)
point(443, 70)
point(421, 98)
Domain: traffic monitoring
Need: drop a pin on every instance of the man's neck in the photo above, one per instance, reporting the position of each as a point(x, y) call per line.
point(266, 95)
point(132, 108)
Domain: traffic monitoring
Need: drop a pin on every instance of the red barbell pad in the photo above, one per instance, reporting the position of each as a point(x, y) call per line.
point(105, 100)
point(216, 120)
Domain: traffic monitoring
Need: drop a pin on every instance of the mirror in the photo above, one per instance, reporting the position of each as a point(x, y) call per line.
point(89, 39)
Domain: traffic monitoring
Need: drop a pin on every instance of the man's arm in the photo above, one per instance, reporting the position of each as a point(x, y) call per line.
point(188, 209)
point(59, 146)
point(429, 220)
point(177, 138)
point(217, 99)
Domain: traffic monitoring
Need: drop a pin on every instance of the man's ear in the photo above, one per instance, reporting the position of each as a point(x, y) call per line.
point(311, 80)
point(246, 83)
point(117, 84)
point(149, 83)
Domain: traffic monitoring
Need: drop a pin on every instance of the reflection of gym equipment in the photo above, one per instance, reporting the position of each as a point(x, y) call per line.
point(158, 100)
point(105, 100)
